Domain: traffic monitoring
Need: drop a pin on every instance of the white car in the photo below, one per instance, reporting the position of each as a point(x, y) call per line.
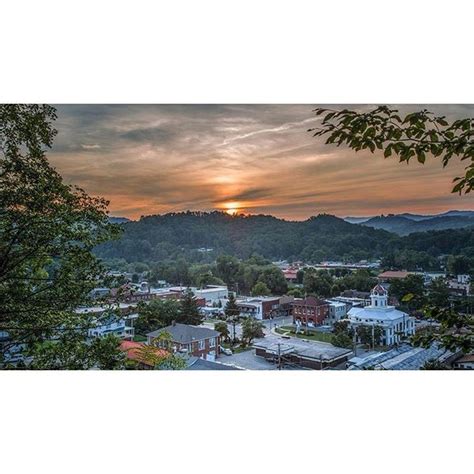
point(226, 351)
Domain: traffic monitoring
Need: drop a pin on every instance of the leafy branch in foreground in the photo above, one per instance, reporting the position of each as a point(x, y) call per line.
point(416, 135)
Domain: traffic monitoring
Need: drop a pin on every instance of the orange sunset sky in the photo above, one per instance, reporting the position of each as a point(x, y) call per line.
point(153, 159)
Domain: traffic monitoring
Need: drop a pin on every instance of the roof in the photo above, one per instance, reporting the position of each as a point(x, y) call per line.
point(309, 301)
point(185, 333)
point(387, 313)
point(196, 363)
point(133, 353)
point(304, 348)
point(379, 289)
point(465, 358)
point(394, 274)
point(404, 357)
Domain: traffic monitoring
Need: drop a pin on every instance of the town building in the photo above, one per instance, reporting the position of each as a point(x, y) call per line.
point(195, 341)
point(212, 294)
point(300, 353)
point(290, 274)
point(403, 357)
point(337, 311)
point(386, 277)
point(261, 307)
point(465, 362)
point(310, 311)
point(395, 324)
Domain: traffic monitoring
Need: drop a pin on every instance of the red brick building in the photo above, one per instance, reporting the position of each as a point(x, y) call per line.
point(310, 310)
point(194, 340)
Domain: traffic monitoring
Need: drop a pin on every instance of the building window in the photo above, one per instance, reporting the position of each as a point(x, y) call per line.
point(201, 345)
point(212, 342)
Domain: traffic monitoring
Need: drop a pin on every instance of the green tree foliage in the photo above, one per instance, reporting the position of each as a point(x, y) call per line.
point(231, 309)
point(222, 328)
point(227, 268)
point(417, 136)
point(409, 291)
point(70, 351)
point(369, 335)
point(163, 359)
point(251, 329)
point(48, 230)
point(318, 282)
point(189, 310)
point(438, 293)
point(156, 314)
point(459, 265)
point(260, 289)
point(342, 339)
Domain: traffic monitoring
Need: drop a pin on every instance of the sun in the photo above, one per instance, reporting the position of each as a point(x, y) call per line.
point(232, 211)
point(231, 208)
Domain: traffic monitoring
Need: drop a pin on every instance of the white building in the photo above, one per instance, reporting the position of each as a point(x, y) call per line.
point(212, 294)
point(393, 322)
point(337, 311)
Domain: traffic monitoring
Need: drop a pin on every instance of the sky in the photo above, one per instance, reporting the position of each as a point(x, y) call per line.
point(255, 159)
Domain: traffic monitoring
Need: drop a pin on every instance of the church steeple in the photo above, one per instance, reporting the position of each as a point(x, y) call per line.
point(378, 297)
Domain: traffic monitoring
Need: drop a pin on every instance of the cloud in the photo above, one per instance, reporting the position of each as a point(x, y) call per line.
point(160, 158)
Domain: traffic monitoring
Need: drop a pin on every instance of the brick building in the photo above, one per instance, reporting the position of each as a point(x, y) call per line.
point(310, 311)
point(196, 341)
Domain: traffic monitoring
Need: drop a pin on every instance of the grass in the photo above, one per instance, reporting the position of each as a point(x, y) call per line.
point(313, 336)
point(139, 338)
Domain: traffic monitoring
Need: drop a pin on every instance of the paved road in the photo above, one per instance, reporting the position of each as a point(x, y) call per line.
point(247, 360)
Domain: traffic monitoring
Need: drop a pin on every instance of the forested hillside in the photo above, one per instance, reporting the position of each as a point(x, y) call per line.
point(192, 235)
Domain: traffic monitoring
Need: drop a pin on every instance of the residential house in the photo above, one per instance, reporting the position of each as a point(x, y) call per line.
point(196, 341)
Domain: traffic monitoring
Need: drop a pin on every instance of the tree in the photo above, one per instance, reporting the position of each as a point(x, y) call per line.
point(459, 265)
point(341, 339)
point(251, 329)
point(158, 355)
point(369, 335)
point(70, 352)
point(439, 293)
point(227, 268)
point(409, 291)
point(189, 310)
point(231, 309)
point(156, 314)
point(260, 289)
point(433, 364)
point(223, 329)
point(318, 282)
point(274, 279)
point(417, 135)
point(48, 231)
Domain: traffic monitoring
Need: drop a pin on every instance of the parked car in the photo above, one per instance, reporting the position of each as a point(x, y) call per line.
point(226, 351)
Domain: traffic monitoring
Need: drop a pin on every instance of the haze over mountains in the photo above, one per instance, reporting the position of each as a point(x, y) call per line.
point(407, 223)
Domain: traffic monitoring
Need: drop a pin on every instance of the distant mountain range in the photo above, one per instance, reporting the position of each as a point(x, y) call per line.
point(407, 223)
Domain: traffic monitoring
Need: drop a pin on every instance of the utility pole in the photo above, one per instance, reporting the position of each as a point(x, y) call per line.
point(279, 357)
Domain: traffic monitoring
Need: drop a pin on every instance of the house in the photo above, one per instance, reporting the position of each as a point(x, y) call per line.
point(196, 341)
point(132, 350)
point(264, 307)
point(386, 277)
point(394, 323)
point(459, 287)
point(290, 274)
point(310, 311)
point(119, 327)
point(465, 362)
